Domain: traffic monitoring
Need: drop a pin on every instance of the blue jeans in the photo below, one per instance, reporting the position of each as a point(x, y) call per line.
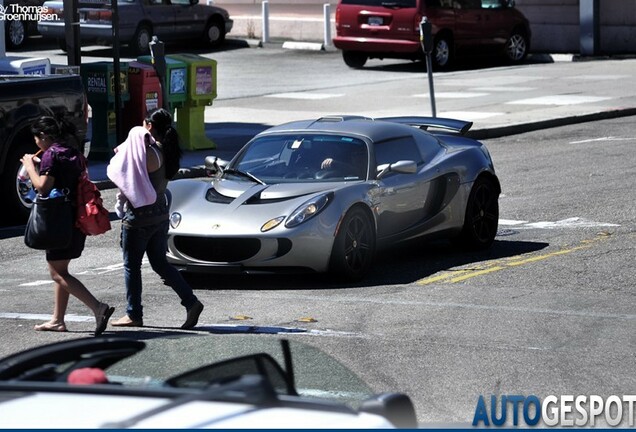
point(151, 240)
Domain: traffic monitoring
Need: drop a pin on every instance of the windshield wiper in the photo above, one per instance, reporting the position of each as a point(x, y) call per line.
point(243, 174)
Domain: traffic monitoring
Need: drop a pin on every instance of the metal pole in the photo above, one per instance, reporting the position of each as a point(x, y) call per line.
point(265, 21)
point(327, 13)
point(589, 27)
point(117, 72)
point(3, 47)
point(431, 89)
point(426, 39)
point(72, 31)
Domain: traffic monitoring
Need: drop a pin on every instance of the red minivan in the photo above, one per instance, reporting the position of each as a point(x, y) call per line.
point(390, 29)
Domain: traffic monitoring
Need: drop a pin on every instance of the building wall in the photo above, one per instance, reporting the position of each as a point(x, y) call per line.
point(554, 23)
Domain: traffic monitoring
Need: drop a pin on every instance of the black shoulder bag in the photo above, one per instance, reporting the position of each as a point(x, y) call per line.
point(50, 224)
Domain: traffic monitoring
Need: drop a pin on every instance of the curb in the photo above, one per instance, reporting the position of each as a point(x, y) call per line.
point(498, 132)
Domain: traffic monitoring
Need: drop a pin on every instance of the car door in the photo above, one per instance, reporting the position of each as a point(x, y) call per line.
point(400, 197)
point(498, 22)
point(190, 19)
point(469, 24)
point(161, 15)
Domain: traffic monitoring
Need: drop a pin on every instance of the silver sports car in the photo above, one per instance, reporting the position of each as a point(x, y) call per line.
point(323, 195)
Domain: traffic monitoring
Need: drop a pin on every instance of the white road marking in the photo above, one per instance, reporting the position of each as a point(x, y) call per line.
point(602, 139)
point(469, 115)
point(559, 100)
point(40, 317)
point(37, 283)
point(451, 95)
point(503, 80)
point(598, 77)
point(508, 222)
point(303, 95)
point(504, 89)
point(574, 222)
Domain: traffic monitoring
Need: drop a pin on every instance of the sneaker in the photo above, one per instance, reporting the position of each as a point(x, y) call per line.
point(193, 315)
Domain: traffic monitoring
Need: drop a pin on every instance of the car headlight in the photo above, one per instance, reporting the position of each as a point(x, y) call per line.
point(175, 220)
point(309, 209)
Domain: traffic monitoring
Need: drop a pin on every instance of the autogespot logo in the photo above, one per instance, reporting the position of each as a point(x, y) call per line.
point(560, 411)
point(14, 12)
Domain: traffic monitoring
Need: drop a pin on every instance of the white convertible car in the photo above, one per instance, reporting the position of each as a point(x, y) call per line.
point(186, 383)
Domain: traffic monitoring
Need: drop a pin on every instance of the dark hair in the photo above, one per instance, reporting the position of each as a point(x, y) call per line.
point(168, 137)
point(59, 129)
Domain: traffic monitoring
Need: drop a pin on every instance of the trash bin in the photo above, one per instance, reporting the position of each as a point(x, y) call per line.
point(25, 66)
point(201, 91)
point(99, 85)
point(176, 75)
point(145, 94)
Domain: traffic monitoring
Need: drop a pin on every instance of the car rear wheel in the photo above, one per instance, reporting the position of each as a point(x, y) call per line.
point(442, 52)
point(516, 48)
point(15, 34)
point(140, 43)
point(18, 193)
point(354, 59)
point(354, 246)
point(214, 34)
point(482, 215)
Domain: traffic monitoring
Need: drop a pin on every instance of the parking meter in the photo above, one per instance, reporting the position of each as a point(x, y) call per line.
point(426, 35)
point(426, 39)
point(158, 55)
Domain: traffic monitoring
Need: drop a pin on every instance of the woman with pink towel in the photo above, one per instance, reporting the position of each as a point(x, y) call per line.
point(141, 168)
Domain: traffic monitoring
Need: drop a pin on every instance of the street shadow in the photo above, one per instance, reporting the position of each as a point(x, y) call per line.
point(393, 266)
point(461, 64)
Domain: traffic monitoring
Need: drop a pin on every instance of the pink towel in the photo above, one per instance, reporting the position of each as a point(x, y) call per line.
point(128, 170)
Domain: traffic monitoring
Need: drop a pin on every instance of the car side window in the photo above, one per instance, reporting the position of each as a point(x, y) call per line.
point(394, 150)
point(467, 4)
point(492, 4)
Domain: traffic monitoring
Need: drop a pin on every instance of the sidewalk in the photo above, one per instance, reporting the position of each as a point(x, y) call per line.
point(500, 101)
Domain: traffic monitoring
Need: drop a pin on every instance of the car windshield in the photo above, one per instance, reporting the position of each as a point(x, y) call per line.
point(303, 158)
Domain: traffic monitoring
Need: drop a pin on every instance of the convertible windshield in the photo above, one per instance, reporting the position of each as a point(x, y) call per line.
point(304, 158)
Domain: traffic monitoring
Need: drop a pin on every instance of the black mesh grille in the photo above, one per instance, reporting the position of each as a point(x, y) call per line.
point(217, 249)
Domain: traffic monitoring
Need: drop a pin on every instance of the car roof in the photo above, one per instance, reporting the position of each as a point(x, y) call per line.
point(375, 129)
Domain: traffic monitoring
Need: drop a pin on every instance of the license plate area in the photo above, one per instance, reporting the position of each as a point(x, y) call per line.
point(375, 21)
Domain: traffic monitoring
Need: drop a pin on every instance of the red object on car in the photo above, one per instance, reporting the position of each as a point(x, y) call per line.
point(390, 29)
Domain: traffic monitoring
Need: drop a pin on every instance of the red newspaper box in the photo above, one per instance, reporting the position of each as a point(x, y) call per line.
point(145, 94)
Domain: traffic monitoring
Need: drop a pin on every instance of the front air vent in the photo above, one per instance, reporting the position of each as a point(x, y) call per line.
point(215, 197)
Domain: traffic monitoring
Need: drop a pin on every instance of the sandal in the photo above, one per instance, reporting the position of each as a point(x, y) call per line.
point(101, 320)
point(49, 326)
point(127, 321)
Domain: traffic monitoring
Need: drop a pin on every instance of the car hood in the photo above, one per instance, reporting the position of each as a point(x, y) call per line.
point(235, 189)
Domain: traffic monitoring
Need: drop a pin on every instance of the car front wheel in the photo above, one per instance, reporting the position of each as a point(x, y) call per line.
point(354, 246)
point(516, 48)
point(15, 34)
point(482, 215)
point(214, 33)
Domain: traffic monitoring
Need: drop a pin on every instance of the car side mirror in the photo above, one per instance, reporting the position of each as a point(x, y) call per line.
point(214, 164)
point(395, 407)
point(402, 167)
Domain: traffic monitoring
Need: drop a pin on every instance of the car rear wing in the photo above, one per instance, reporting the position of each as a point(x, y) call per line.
point(453, 125)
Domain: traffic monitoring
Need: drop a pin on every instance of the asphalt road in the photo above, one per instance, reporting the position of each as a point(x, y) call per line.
point(548, 310)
